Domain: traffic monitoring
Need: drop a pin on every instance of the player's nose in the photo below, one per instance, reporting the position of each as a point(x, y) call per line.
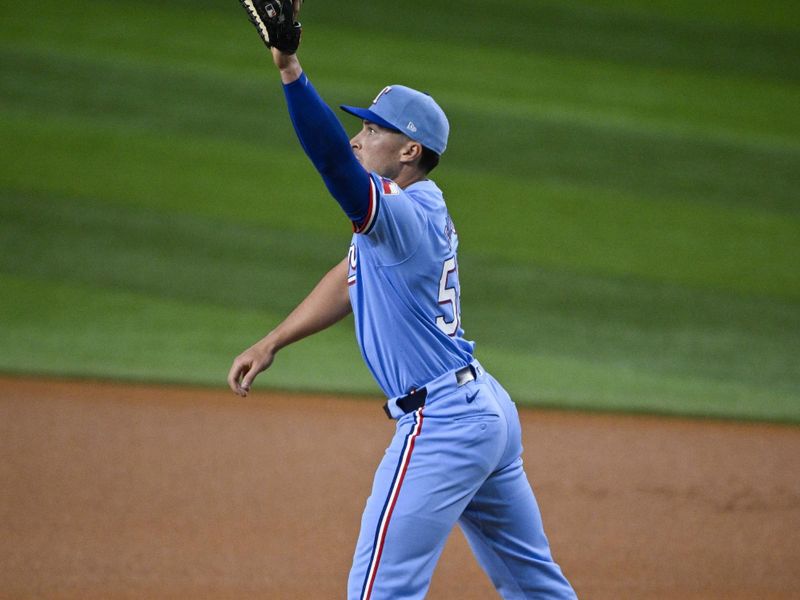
point(355, 141)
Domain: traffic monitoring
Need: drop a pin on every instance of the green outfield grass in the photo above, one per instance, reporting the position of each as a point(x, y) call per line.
point(624, 177)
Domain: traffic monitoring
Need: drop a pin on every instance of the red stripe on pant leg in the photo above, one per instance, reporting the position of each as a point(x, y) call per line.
point(394, 493)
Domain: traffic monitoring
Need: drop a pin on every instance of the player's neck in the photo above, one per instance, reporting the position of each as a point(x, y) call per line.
point(409, 177)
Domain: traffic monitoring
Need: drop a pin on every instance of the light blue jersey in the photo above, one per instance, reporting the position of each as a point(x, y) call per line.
point(455, 456)
point(404, 288)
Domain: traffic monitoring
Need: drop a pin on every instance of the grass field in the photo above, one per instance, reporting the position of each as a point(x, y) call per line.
point(624, 176)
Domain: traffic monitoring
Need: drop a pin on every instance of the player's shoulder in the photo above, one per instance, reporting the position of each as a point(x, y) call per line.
point(427, 194)
point(394, 208)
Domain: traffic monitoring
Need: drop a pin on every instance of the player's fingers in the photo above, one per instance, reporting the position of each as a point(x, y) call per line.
point(247, 380)
point(235, 374)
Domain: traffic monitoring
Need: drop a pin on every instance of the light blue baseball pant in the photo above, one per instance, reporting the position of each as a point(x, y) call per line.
point(454, 460)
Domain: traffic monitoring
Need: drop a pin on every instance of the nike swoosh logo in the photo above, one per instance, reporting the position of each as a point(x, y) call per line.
point(471, 398)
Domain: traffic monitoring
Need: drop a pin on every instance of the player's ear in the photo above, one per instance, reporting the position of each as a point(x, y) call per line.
point(411, 152)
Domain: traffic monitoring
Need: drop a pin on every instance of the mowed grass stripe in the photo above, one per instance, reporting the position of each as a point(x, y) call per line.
point(666, 100)
point(586, 383)
point(631, 161)
point(685, 345)
point(665, 329)
point(587, 30)
point(597, 230)
point(145, 95)
point(66, 157)
point(631, 34)
point(582, 228)
point(163, 254)
point(57, 328)
point(214, 43)
point(770, 15)
point(142, 338)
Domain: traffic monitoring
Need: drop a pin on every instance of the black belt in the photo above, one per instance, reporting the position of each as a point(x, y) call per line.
point(416, 398)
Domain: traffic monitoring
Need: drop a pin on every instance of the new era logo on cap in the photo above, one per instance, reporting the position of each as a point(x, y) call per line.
point(409, 111)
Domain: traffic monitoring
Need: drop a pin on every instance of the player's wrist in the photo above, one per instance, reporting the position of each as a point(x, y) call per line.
point(270, 344)
point(288, 65)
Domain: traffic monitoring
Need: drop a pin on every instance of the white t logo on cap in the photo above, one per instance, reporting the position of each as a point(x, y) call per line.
point(385, 90)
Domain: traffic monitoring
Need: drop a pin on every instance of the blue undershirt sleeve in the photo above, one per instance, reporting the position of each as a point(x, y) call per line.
point(327, 145)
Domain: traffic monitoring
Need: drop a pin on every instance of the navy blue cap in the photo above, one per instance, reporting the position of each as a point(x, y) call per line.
point(410, 112)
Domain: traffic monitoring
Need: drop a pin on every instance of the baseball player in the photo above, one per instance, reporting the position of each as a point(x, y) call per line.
point(455, 456)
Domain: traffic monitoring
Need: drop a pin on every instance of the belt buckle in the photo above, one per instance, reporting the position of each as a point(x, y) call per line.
point(465, 375)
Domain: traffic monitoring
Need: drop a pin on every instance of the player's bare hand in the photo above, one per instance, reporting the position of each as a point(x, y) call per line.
point(247, 366)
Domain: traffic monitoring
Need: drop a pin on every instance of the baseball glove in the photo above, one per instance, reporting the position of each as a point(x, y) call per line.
point(274, 21)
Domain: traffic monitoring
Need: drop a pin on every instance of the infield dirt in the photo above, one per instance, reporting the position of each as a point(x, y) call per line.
point(139, 491)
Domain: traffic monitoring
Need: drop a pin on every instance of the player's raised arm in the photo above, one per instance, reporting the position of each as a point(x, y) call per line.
point(327, 145)
point(320, 133)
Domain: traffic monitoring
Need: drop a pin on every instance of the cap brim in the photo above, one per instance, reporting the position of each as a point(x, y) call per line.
point(367, 115)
